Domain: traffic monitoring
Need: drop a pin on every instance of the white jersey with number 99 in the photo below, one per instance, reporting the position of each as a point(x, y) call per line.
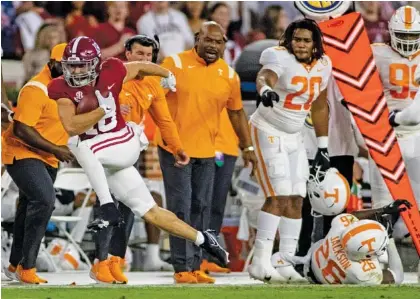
point(398, 78)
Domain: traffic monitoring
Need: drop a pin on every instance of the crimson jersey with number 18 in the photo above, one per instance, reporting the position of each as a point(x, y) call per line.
point(110, 79)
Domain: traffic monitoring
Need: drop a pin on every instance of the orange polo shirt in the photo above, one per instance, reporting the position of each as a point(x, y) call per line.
point(226, 140)
point(36, 110)
point(147, 95)
point(202, 92)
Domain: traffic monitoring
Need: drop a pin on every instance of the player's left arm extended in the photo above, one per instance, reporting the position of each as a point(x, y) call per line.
point(144, 68)
point(319, 114)
point(77, 124)
point(393, 209)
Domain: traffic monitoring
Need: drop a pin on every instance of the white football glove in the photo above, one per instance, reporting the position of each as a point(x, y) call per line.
point(169, 82)
point(103, 102)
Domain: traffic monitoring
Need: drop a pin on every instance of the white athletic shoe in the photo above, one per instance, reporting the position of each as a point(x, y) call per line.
point(157, 265)
point(10, 273)
point(285, 268)
point(263, 270)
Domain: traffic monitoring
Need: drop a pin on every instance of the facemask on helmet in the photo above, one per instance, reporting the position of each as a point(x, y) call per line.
point(404, 28)
point(81, 61)
point(328, 192)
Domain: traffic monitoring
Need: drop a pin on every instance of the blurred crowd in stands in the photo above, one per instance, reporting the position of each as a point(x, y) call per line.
point(31, 28)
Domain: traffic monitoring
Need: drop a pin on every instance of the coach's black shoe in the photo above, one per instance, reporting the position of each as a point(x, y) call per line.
point(109, 216)
point(213, 247)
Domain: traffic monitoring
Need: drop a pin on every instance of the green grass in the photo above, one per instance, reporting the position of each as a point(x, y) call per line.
point(213, 292)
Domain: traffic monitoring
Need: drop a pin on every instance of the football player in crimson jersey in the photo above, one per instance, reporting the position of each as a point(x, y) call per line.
point(107, 147)
point(137, 97)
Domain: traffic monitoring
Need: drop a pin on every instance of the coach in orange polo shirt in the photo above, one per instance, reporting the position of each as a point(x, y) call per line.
point(205, 86)
point(31, 149)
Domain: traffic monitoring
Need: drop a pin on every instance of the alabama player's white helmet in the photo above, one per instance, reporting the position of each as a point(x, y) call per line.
point(328, 192)
point(364, 239)
point(404, 28)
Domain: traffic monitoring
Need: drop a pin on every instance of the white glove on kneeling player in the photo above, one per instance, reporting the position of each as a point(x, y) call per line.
point(169, 82)
point(104, 102)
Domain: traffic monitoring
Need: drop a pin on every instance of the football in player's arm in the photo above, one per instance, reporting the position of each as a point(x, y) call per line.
point(79, 124)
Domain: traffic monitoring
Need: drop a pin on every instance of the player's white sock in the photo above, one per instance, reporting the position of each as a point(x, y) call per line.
point(200, 239)
point(266, 233)
point(94, 171)
point(152, 252)
point(289, 230)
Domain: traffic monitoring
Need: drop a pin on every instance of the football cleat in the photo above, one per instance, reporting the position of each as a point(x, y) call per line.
point(109, 216)
point(208, 267)
point(262, 269)
point(280, 262)
point(212, 246)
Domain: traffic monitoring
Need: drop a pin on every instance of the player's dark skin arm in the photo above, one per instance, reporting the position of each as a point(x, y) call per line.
point(266, 77)
point(240, 125)
point(399, 205)
point(77, 124)
point(319, 114)
point(388, 278)
point(31, 137)
point(371, 214)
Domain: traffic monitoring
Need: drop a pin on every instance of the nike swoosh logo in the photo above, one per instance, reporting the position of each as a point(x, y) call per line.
point(319, 70)
point(325, 156)
point(267, 278)
point(109, 87)
point(128, 94)
point(191, 66)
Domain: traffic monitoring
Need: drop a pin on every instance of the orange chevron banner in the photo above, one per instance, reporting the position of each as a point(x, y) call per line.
point(347, 44)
